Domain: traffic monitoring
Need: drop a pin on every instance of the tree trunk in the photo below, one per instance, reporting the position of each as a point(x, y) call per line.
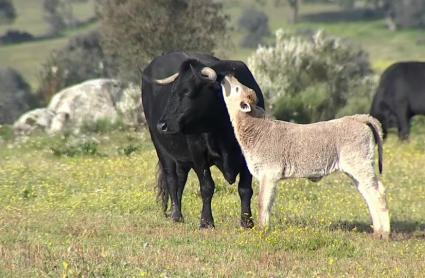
point(295, 6)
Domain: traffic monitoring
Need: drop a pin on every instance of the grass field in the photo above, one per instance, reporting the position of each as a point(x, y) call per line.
point(94, 214)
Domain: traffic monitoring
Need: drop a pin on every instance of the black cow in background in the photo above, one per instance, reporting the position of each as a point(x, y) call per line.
point(400, 96)
point(190, 128)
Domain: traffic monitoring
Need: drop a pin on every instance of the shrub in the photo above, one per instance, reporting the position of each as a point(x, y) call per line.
point(15, 36)
point(7, 11)
point(409, 13)
point(136, 31)
point(88, 148)
point(360, 95)
point(102, 126)
point(128, 150)
point(256, 24)
point(6, 133)
point(81, 59)
point(15, 95)
point(307, 79)
point(58, 14)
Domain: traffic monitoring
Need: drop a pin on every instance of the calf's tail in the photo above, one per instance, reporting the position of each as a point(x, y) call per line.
point(376, 128)
point(161, 187)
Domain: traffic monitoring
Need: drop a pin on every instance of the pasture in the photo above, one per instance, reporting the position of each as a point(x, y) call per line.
point(88, 209)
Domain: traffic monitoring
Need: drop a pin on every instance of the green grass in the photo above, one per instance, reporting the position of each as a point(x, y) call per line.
point(96, 215)
point(72, 207)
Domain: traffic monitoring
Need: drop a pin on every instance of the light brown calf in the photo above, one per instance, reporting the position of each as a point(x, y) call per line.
point(276, 150)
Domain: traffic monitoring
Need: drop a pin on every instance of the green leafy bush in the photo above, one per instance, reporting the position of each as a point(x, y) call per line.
point(309, 78)
point(102, 126)
point(89, 148)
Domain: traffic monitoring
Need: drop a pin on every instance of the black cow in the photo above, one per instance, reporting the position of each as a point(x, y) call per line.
point(190, 128)
point(400, 96)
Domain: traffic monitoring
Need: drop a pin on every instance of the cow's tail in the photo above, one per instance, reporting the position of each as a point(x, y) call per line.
point(376, 128)
point(161, 188)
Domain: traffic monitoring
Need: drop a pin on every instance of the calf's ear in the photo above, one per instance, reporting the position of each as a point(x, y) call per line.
point(245, 107)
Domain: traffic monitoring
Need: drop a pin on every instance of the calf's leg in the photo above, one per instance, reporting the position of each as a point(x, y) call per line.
point(377, 207)
point(385, 216)
point(266, 199)
point(373, 193)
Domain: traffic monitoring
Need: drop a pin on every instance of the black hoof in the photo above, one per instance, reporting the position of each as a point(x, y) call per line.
point(178, 218)
point(247, 223)
point(206, 225)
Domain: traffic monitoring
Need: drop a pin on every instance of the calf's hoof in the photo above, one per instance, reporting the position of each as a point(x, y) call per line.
point(381, 235)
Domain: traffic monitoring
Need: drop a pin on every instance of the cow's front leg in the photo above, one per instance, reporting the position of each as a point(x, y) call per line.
point(207, 191)
point(245, 193)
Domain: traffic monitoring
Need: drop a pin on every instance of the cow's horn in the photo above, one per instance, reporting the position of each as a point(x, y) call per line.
point(167, 80)
point(209, 73)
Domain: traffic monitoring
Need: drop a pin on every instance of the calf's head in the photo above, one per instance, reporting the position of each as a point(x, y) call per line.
point(194, 104)
point(237, 96)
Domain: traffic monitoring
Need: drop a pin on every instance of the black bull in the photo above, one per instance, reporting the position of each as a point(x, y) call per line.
point(400, 96)
point(190, 128)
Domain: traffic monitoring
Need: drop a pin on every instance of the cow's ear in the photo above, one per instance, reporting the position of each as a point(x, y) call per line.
point(188, 67)
point(245, 107)
point(193, 70)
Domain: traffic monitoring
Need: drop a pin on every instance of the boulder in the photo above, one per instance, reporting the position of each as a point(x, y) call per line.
point(37, 119)
point(85, 104)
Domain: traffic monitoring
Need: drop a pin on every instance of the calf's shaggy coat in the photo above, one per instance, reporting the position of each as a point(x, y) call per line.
point(276, 150)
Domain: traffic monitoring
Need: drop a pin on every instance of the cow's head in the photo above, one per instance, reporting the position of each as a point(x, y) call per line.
point(195, 104)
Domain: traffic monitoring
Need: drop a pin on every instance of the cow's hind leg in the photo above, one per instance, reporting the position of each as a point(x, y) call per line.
point(245, 193)
point(172, 180)
point(403, 123)
point(207, 187)
point(373, 193)
point(182, 171)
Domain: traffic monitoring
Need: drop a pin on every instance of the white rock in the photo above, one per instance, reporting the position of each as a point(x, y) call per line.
point(85, 104)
